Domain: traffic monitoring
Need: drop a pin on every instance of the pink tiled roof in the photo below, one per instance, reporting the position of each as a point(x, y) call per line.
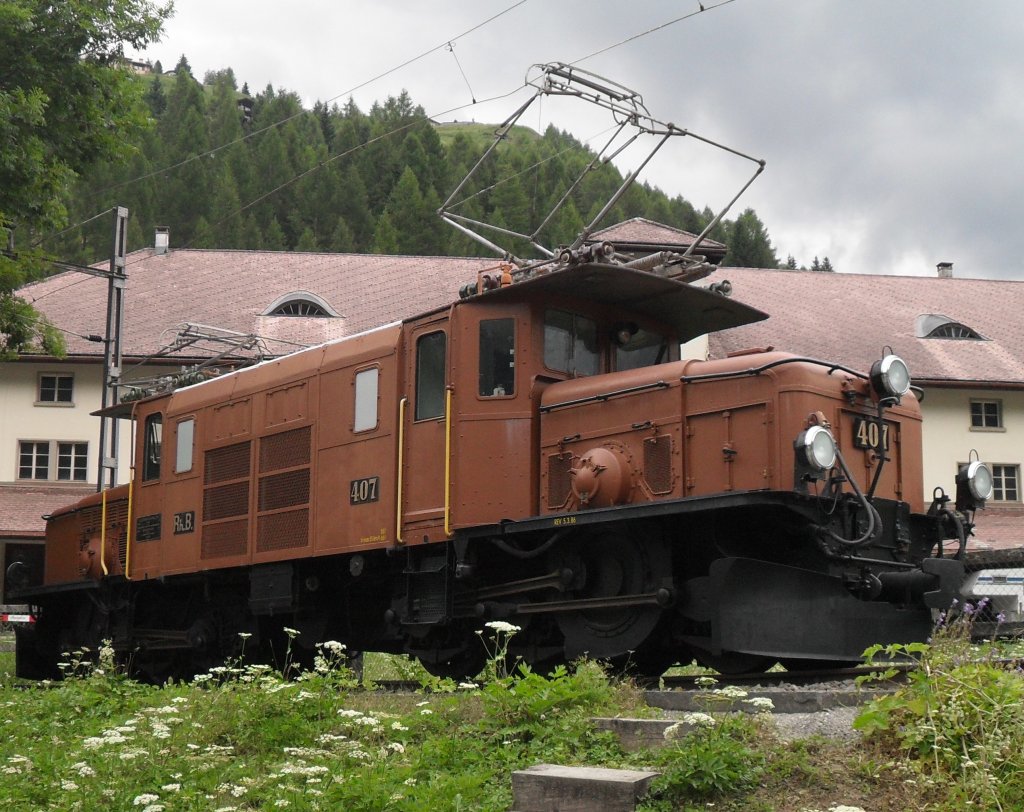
point(849, 318)
point(999, 528)
point(22, 507)
point(231, 289)
point(640, 231)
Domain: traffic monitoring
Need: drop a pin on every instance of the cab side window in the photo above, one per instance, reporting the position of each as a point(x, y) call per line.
point(151, 447)
point(186, 436)
point(367, 386)
point(430, 375)
point(497, 357)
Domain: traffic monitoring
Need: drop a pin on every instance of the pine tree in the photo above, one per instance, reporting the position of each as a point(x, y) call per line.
point(385, 237)
point(307, 241)
point(273, 237)
point(749, 246)
point(826, 266)
point(155, 97)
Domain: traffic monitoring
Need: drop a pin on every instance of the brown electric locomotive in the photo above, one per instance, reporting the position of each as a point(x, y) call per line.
point(536, 452)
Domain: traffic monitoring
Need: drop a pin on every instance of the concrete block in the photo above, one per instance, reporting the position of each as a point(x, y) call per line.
point(637, 734)
point(554, 788)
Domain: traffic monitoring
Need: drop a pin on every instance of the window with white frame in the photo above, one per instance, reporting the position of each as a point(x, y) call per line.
point(55, 389)
point(986, 414)
point(53, 460)
point(1006, 483)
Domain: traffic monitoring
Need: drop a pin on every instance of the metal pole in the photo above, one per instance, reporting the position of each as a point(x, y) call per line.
point(116, 281)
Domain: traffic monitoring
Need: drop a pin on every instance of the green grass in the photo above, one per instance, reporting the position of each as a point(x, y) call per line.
point(247, 738)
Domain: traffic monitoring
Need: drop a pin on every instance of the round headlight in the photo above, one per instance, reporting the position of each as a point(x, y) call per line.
point(979, 480)
point(890, 377)
point(817, 446)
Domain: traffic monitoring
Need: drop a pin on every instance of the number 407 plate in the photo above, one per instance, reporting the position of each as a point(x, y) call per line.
point(870, 434)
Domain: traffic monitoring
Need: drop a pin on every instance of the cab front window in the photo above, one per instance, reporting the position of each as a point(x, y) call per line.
point(570, 343)
point(636, 347)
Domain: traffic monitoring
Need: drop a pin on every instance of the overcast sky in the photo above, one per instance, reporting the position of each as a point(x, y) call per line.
point(893, 130)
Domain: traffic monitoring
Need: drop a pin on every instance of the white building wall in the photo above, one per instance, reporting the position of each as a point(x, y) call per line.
point(23, 418)
point(949, 438)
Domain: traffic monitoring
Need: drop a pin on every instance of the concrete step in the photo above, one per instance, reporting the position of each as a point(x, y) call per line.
point(554, 788)
point(809, 701)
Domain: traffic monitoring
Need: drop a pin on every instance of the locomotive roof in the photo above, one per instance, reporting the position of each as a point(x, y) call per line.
point(691, 311)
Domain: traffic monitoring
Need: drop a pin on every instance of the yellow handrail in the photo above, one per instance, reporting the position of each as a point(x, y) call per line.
point(401, 459)
point(103, 534)
point(128, 529)
point(447, 461)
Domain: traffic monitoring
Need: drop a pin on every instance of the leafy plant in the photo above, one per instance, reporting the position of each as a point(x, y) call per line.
point(958, 716)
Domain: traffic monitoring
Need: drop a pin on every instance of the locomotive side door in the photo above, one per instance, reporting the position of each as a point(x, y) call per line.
point(424, 433)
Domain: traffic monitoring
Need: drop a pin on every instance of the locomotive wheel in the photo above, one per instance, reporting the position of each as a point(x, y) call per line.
point(611, 563)
point(450, 655)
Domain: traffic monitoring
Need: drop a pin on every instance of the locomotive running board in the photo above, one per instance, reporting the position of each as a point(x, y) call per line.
point(758, 607)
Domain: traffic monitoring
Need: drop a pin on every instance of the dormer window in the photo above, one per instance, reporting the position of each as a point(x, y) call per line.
point(301, 303)
point(935, 325)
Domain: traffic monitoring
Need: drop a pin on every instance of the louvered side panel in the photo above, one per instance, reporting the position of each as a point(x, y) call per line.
point(225, 527)
point(559, 481)
point(283, 496)
point(658, 463)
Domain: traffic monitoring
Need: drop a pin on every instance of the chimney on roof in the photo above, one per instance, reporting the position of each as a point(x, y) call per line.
point(945, 270)
point(162, 240)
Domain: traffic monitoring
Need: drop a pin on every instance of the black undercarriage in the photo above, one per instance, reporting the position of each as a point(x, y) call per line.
point(737, 581)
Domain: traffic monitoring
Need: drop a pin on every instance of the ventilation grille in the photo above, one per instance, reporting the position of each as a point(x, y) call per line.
point(226, 502)
point(225, 538)
point(658, 463)
point(284, 490)
point(559, 481)
point(90, 522)
point(283, 497)
point(289, 449)
point(229, 462)
point(282, 531)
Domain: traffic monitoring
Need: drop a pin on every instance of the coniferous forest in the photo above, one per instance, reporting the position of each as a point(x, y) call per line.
point(223, 167)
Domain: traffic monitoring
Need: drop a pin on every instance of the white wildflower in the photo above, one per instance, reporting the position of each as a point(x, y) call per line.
point(502, 626)
point(282, 802)
point(398, 726)
point(760, 702)
point(334, 646)
point(145, 799)
point(699, 719)
point(171, 787)
point(83, 769)
point(68, 786)
point(349, 713)
point(292, 633)
point(426, 712)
